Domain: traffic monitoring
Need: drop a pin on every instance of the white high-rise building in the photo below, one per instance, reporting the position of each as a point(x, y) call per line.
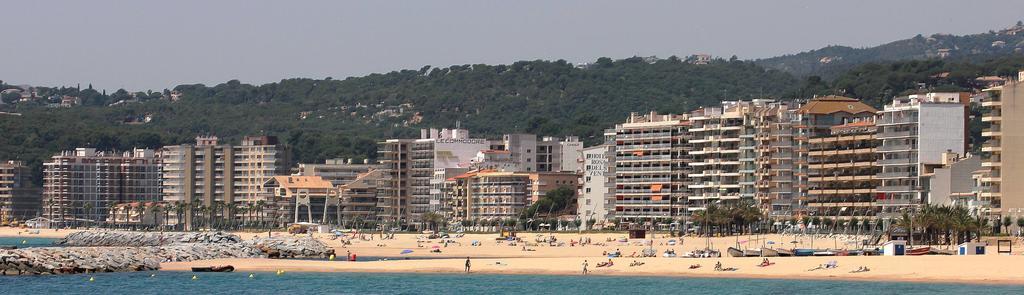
point(594, 198)
point(915, 131)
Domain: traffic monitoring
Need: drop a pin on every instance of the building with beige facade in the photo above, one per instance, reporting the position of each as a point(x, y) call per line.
point(408, 165)
point(359, 199)
point(815, 121)
point(767, 154)
point(80, 186)
point(337, 171)
point(1002, 168)
point(843, 166)
point(19, 198)
point(209, 172)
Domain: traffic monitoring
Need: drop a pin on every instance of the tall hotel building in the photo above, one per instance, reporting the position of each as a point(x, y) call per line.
point(209, 172)
point(843, 167)
point(1004, 139)
point(19, 198)
point(914, 132)
point(767, 156)
point(407, 166)
point(651, 167)
point(813, 125)
point(81, 185)
point(715, 153)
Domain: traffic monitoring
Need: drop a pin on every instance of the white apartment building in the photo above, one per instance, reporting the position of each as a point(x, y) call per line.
point(651, 167)
point(914, 132)
point(595, 199)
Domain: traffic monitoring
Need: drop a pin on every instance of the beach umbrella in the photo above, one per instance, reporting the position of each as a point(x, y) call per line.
point(406, 251)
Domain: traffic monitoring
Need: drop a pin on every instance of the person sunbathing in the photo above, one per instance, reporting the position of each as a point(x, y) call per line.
point(694, 266)
point(606, 264)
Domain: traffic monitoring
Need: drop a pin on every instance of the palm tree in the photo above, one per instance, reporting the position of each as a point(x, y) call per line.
point(433, 219)
point(88, 210)
point(1020, 223)
point(1006, 224)
point(261, 205)
point(232, 208)
point(155, 211)
point(179, 213)
point(141, 211)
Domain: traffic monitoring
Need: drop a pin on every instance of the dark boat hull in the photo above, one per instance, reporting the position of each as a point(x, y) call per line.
point(225, 268)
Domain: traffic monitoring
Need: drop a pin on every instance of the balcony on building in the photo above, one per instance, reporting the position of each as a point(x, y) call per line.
point(992, 116)
point(992, 131)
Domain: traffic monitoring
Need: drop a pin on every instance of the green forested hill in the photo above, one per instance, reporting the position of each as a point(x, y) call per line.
point(343, 118)
point(831, 61)
point(330, 118)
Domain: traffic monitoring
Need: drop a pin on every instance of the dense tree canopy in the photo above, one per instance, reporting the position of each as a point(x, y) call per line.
point(328, 118)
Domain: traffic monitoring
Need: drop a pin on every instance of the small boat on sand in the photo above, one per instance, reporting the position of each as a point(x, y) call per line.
point(218, 268)
point(784, 252)
point(919, 251)
point(743, 253)
point(768, 252)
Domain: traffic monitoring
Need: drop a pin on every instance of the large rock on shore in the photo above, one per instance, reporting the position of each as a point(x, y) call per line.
point(291, 247)
point(136, 239)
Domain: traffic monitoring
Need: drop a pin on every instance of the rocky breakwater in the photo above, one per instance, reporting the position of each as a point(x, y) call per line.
point(69, 260)
point(291, 247)
point(138, 239)
point(109, 251)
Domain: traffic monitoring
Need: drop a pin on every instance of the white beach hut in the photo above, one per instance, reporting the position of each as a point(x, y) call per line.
point(894, 248)
point(971, 248)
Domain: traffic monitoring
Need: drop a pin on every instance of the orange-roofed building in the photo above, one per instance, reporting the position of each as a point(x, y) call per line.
point(814, 121)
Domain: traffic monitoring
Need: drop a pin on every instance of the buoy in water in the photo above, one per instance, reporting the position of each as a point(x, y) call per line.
point(195, 277)
point(332, 257)
point(24, 241)
point(251, 275)
point(91, 279)
point(152, 275)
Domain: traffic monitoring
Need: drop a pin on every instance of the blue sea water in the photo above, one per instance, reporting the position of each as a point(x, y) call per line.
point(28, 242)
point(377, 283)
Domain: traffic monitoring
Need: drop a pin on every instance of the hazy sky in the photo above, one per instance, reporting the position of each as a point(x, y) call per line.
point(158, 44)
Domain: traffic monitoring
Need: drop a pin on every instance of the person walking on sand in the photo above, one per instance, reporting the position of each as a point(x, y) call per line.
point(585, 267)
point(467, 264)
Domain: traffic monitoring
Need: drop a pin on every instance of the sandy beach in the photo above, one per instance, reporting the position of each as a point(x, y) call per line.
point(494, 257)
point(31, 233)
point(990, 269)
